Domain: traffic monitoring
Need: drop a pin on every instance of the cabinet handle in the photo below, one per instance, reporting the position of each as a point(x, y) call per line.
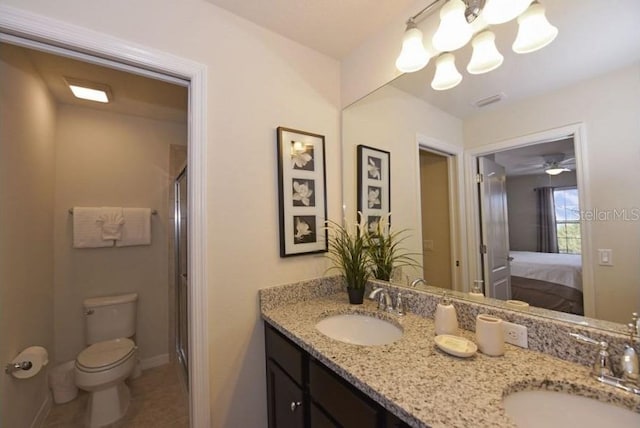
point(295, 405)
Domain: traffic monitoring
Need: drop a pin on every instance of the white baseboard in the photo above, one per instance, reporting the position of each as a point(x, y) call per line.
point(158, 360)
point(43, 412)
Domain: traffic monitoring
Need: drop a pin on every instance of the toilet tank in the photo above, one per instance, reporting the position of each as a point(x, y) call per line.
point(110, 317)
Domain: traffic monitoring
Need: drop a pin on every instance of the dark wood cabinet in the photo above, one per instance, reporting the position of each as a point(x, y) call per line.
point(303, 392)
point(286, 397)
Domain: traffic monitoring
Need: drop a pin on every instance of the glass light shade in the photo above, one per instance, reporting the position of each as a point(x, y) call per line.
point(485, 55)
point(534, 31)
point(413, 56)
point(556, 170)
point(454, 31)
point(447, 75)
point(500, 11)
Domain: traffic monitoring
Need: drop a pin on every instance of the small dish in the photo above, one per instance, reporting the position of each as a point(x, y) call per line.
point(456, 345)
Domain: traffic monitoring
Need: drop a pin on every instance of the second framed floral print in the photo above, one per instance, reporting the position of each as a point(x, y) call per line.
point(374, 185)
point(302, 192)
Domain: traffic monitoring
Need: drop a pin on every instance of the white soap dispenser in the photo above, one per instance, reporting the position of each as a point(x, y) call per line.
point(446, 319)
point(476, 291)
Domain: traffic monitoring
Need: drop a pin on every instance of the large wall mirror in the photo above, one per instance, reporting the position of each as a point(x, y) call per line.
point(573, 105)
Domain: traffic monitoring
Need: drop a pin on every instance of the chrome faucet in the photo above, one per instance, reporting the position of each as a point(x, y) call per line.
point(385, 302)
point(417, 281)
point(384, 299)
point(602, 371)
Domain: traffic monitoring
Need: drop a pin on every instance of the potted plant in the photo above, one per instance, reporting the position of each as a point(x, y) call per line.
point(384, 248)
point(348, 254)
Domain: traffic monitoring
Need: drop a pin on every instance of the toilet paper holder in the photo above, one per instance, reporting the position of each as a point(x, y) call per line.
point(14, 367)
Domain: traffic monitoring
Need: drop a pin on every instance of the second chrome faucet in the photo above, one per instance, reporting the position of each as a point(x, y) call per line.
point(385, 301)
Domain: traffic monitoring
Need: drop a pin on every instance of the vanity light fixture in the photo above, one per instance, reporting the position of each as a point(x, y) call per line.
point(447, 75)
point(91, 91)
point(485, 57)
point(534, 30)
point(501, 11)
point(413, 56)
point(455, 31)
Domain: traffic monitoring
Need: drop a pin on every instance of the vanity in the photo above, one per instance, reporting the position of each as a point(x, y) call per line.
point(316, 381)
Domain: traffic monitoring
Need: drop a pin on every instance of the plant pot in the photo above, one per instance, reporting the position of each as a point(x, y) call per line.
point(356, 295)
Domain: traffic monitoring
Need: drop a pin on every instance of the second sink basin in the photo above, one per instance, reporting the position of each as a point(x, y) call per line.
point(359, 329)
point(552, 409)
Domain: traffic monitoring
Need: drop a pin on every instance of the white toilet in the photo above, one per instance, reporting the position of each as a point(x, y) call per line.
point(110, 358)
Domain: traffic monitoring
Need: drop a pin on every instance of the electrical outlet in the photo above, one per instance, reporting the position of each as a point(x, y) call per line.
point(515, 334)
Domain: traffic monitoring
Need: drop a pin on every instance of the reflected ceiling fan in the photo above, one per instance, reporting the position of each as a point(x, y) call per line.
point(552, 163)
point(555, 164)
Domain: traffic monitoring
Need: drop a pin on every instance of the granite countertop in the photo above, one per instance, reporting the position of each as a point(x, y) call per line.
point(424, 386)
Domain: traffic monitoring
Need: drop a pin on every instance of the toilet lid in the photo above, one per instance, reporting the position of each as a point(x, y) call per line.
point(104, 354)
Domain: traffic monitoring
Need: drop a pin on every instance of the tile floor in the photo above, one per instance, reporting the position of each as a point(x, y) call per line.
point(158, 400)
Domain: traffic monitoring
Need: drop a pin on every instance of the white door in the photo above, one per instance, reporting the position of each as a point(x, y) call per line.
point(494, 229)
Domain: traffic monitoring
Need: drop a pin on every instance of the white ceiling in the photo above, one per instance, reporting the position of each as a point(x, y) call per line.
point(594, 36)
point(333, 27)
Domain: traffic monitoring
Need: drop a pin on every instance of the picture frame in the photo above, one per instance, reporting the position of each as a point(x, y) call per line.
point(302, 192)
point(374, 185)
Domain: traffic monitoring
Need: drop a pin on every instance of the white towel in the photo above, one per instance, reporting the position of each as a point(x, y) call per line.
point(87, 232)
point(111, 220)
point(137, 227)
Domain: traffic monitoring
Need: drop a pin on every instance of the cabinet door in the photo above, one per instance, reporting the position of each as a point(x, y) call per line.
point(347, 406)
point(284, 399)
point(320, 420)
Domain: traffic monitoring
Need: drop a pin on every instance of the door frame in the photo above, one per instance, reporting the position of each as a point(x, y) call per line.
point(457, 225)
point(578, 132)
point(17, 24)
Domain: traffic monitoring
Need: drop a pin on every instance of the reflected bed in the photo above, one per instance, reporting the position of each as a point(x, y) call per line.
point(548, 280)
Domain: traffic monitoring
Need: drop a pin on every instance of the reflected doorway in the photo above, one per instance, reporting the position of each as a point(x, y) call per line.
point(435, 203)
point(541, 226)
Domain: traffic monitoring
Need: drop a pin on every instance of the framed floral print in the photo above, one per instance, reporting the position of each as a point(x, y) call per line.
point(374, 185)
point(302, 192)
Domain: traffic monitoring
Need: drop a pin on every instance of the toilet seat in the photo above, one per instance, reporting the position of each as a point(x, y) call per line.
point(105, 355)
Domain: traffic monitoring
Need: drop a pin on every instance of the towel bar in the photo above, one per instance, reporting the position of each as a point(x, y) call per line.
point(153, 212)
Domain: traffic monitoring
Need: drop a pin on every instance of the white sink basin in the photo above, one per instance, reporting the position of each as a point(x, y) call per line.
point(359, 329)
point(552, 409)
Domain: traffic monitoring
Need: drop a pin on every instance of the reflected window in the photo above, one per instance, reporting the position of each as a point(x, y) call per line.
point(567, 211)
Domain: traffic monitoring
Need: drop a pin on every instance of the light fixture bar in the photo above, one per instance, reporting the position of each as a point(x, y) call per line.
point(424, 12)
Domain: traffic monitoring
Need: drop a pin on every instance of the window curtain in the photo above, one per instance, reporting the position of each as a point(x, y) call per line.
point(547, 235)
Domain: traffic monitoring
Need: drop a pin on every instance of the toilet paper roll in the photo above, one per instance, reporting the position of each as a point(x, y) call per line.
point(38, 357)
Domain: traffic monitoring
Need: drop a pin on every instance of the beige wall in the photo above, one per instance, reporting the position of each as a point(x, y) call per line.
point(522, 206)
point(256, 82)
point(106, 159)
point(609, 106)
point(27, 128)
point(434, 191)
point(390, 119)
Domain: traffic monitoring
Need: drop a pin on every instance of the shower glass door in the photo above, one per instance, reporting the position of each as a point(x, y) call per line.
point(182, 278)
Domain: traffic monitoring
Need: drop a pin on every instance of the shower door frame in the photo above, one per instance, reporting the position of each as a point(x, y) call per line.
point(181, 279)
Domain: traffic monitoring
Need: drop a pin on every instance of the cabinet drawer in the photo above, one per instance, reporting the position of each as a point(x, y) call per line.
point(344, 403)
point(286, 354)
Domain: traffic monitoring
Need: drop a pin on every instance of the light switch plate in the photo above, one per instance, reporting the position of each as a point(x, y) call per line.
point(605, 257)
